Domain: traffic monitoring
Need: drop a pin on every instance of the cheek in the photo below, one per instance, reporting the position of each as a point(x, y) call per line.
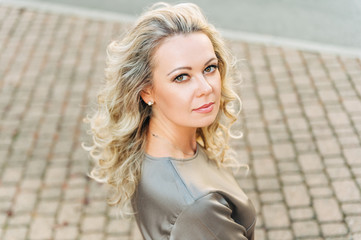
point(217, 86)
point(174, 102)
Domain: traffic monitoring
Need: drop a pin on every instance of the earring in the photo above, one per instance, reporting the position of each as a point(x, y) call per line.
point(150, 103)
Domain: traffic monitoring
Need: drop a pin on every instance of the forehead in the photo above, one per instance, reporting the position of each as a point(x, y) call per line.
point(183, 50)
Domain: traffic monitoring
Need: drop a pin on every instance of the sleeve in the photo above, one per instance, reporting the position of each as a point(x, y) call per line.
point(208, 218)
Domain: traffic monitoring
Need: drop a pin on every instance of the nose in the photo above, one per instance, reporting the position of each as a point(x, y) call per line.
point(204, 88)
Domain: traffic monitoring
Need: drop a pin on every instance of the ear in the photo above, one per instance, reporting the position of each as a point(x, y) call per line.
point(146, 94)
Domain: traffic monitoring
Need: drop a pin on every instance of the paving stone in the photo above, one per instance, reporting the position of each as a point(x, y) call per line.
point(55, 175)
point(95, 207)
point(288, 98)
point(266, 91)
point(25, 202)
point(91, 236)
point(349, 141)
point(345, 130)
point(48, 207)
point(50, 193)
point(351, 208)
point(3, 219)
point(94, 223)
point(260, 152)
point(334, 162)
point(305, 146)
point(334, 229)
point(280, 234)
point(323, 133)
point(264, 167)
point(305, 229)
point(321, 192)
point(272, 115)
point(339, 173)
point(354, 223)
point(314, 111)
point(302, 136)
point(246, 184)
point(283, 151)
point(74, 194)
point(66, 232)
point(69, 213)
point(270, 197)
point(12, 175)
point(328, 147)
point(18, 220)
point(33, 184)
point(292, 178)
point(352, 105)
point(356, 171)
point(6, 205)
point(258, 139)
point(328, 95)
point(327, 210)
point(316, 179)
point(353, 156)
point(297, 124)
point(15, 233)
point(346, 190)
point(358, 181)
point(355, 236)
point(280, 136)
point(97, 191)
point(264, 184)
point(296, 196)
point(293, 111)
point(303, 213)
point(7, 191)
point(41, 228)
point(118, 226)
point(275, 216)
point(286, 167)
point(35, 168)
point(310, 162)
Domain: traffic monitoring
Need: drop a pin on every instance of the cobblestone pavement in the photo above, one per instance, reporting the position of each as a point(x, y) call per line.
point(301, 120)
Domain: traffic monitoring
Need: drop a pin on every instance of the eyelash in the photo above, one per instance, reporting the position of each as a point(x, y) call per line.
point(215, 66)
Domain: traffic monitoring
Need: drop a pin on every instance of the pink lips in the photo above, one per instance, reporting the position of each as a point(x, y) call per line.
point(206, 108)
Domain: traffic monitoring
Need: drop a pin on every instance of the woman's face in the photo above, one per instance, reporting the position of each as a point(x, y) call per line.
point(186, 82)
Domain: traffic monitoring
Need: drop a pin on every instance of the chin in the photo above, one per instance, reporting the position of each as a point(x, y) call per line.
point(206, 122)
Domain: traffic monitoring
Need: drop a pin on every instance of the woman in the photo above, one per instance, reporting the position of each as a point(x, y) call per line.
point(160, 133)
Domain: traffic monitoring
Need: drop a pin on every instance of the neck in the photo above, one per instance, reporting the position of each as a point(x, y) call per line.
point(164, 140)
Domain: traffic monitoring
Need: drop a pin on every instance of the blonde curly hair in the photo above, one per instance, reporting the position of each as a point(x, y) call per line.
point(120, 124)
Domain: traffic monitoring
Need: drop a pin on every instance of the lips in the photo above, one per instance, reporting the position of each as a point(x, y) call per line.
point(205, 108)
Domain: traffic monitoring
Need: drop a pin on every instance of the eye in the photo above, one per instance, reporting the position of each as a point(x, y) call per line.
point(181, 78)
point(210, 68)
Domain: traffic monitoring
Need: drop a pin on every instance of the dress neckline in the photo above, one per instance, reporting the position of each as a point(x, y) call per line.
point(175, 159)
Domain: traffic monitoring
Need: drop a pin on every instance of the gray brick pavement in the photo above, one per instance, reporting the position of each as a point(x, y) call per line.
point(301, 124)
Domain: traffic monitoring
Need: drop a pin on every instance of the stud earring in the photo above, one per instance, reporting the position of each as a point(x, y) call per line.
point(150, 103)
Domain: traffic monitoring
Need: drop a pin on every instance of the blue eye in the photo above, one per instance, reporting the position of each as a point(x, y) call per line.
point(210, 69)
point(181, 78)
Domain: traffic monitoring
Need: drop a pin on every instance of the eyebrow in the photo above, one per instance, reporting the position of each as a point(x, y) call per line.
point(189, 68)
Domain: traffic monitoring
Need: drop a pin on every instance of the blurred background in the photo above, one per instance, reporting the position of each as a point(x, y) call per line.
point(301, 92)
point(330, 22)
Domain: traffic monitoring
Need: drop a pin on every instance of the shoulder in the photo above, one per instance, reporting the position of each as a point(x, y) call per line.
point(209, 217)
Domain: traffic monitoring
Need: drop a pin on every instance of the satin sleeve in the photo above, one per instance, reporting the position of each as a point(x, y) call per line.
point(208, 218)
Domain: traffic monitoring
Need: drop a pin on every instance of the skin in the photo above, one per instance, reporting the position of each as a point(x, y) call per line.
point(185, 78)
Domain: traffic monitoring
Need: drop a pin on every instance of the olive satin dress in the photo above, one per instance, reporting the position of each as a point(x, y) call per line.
point(191, 199)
